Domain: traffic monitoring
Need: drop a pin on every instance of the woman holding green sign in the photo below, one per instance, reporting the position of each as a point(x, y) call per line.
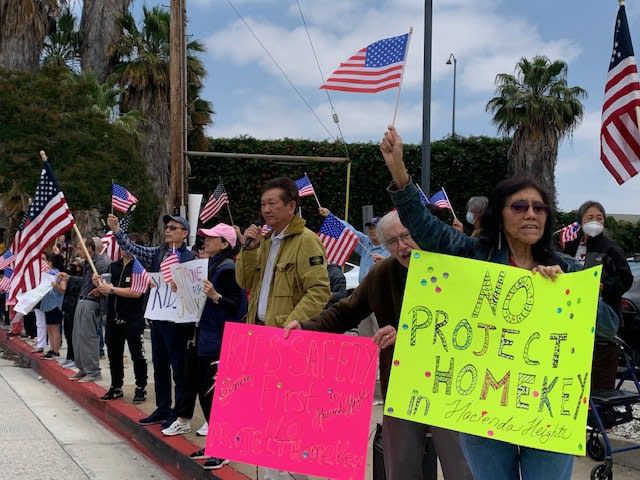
point(516, 231)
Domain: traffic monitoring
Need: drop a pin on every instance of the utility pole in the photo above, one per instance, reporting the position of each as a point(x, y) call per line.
point(177, 69)
point(425, 177)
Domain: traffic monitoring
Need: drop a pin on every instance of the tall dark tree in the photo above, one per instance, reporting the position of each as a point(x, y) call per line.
point(100, 29)
point(23, 27)
point(62, 44)
point(540, 109)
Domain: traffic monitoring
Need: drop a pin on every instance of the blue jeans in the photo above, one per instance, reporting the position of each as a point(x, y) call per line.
point(494, 460)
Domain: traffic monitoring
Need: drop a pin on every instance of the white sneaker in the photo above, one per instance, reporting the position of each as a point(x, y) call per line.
point(179, 427)
point(203, 430)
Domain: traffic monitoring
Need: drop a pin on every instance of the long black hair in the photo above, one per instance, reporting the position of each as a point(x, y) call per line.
point(543, 250)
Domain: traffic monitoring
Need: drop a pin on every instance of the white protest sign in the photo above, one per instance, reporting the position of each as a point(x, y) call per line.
point(29, 299)
point(186, 304)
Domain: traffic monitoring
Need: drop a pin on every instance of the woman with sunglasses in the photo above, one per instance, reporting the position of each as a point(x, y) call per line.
point(516, 230)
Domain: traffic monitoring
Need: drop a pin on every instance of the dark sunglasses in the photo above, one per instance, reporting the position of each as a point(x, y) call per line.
point(172, 227)
point(522, 206)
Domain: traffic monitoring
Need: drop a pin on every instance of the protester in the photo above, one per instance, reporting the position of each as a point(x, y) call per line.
point(125, 322)
point(516, 230)
point(286, 273)
point(69, 304)
point(225, 302)
point(381, 292)
point(337, 284)
point(168, 339)
point(371, 251)
point(86, 340)
point(476, 207)
point(593, 247)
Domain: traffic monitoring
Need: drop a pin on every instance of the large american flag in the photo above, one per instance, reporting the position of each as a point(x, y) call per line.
point(110, 246)
point(140, 279)
point(217, 200)
point(166, 264)
point(305, 188)
point(375, 68)
point(47, 218)
point(6, 259)
point(619, 135)
point(337, 239)
point(121, 198)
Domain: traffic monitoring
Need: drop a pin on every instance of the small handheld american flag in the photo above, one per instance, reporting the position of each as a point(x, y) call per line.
point(217, 200)
point(6, 259)
point(569, 233)
point(439, 199)
point(305, 187)
point(121, 198)
point(5, 283)
point(167, 263)
point(337, 239)
point(140, 278)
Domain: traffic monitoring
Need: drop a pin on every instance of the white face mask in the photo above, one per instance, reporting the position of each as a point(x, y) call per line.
point(592, 229)
point(470, 217)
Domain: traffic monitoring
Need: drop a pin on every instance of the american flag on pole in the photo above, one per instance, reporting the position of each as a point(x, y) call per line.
point(619, 135)
point(337, 239)
point(121, 198)
point(569, 233)
point(47, 218)
point(375, 68)
point(6, 259)
point(140, 279)
point(305, 188)
point(440, 200)
point(5, 283)
point(110, 246)
point(167, 263)
point(217, 200)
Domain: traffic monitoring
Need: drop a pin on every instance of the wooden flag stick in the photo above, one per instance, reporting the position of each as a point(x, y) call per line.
point(406, 51)
point(84, 248)
point(230, 216)
point(449, 202)
point(314, 191)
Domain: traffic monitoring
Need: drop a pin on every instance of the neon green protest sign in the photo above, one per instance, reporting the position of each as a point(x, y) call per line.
point(495, 351)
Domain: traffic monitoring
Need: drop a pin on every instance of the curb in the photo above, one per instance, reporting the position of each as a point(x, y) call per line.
point(170, 453)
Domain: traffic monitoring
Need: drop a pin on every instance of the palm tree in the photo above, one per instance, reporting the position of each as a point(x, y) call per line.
point(143, 74)
point(23, 27)
point(101, 30)
point(62, 44)
point(540, 109)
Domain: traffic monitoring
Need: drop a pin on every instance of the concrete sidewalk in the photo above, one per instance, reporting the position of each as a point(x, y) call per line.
point(172, 453)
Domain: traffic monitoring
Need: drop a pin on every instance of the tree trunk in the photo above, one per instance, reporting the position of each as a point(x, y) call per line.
point(23, 26)
point(535, 155)
point(100, 31)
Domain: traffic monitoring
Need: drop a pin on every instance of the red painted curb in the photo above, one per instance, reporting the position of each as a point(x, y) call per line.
point(170, 453)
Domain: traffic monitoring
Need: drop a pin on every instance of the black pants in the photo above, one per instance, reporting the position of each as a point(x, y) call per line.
point(30, 324)
point(199, 375)
point(115, 336)
point(67, 328)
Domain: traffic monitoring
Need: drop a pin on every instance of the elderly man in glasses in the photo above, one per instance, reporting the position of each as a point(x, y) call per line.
point(381, 292)
point(168, 339)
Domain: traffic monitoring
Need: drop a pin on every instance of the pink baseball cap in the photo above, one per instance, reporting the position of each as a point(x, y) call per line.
point(221, 230)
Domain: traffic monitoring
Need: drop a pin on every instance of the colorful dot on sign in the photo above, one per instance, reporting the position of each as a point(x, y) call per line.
point(396, 363)
point(593, 329)
point(535, 394)
point(595, 274)
point(330, 390)
point(434, 279)
point(579, 446)
point(423, 282)
point(438, 289)
point(237, 439)
point(390, 409)
point(584, 400)
point(430, 269)
point(578, 300)
point(416, 255)
point(405, 326)
point(427, 374)
point(305, 454)
point(279, 385)
point(567, 291)
point(573, 350)
point(571, 315)
point(445, 275)
point(559, 309)
point(568, 303)
point(490, 433)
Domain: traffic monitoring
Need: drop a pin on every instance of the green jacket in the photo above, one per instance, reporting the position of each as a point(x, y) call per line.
point(300, 284)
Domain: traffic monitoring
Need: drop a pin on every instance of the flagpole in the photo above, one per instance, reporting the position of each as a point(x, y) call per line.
point(314, 192)
point(406, 51)
point(112, 182)
point(230, 216)
point(449, 202)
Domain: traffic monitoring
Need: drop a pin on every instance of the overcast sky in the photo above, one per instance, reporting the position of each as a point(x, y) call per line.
point(251, 96)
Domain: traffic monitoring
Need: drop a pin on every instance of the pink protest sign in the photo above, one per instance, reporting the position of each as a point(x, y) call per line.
point(302, 404)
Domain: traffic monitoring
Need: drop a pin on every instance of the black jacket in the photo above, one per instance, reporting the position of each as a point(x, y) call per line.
point(616, 274)
point(123, 308)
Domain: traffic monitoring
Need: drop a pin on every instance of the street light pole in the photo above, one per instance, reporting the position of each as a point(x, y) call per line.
point(452, 59)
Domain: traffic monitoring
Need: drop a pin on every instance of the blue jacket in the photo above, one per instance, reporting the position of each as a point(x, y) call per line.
point(433, 235)
point(365, 248)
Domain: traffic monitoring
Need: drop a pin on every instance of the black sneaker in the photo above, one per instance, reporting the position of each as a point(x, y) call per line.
point(50, 355)
point(198, 455)
point(140, 395)
point(214, 463)
point(112, 394)
point(169, 421)
point(155, 417)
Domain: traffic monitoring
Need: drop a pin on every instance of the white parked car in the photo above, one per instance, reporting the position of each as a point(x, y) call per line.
point(351, 273)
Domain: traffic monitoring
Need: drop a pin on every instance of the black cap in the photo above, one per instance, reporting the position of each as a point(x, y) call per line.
point(372, 222)
point(181, 220)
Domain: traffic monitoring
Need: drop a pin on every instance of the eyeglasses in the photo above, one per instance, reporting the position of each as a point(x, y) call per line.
point(395, 241)
point(172, 228)
point(522, 206)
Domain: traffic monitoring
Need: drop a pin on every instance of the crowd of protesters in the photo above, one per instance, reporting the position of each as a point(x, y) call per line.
point(281, 278)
